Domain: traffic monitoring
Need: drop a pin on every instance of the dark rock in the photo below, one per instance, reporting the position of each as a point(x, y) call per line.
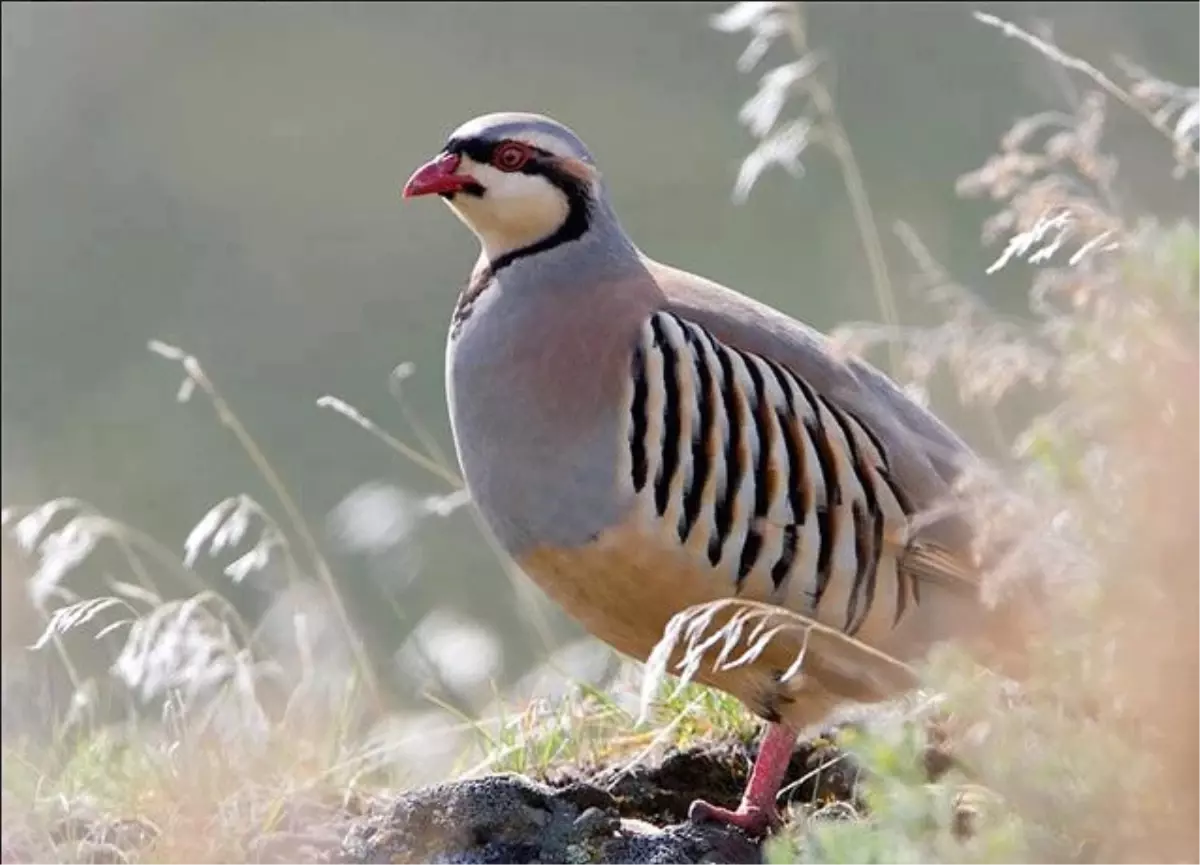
point(509, 818)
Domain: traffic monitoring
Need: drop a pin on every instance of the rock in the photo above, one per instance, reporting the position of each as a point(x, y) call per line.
point(509, 818)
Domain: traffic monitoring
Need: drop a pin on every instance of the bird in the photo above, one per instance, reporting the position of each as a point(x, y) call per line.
point(641, 440)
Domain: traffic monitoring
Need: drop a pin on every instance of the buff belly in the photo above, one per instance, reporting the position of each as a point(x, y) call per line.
point(624, 588)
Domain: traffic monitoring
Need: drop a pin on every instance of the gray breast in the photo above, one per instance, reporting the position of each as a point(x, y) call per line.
point(535, 422)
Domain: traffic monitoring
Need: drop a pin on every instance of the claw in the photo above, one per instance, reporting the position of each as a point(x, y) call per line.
point(754, 821)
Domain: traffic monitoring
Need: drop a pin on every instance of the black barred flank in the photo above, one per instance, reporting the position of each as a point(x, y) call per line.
point(866, 552)
point(764, 476)
point(760, 413)
point(673, 420)
point(797, 487)
point(733, 458)
point(797, 479)
point(639, 420)
point(868, 532)
point(749, 557)
point(862, 590)
point(903, 579)
point(824, 448)
point(783, 566)
point(702, 441)
point(873, 577)
point(906, 586)
point(827, 511)
point(795, 456)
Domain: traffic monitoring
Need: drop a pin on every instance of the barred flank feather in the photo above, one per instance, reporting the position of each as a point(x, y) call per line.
point(756, 474)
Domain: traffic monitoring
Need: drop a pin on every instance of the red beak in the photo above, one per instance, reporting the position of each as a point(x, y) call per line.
point(437, 177)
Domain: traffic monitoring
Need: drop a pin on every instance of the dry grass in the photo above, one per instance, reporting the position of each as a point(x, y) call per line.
point(221, 736)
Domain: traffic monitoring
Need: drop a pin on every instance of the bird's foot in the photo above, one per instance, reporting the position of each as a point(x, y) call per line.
point(754, 820)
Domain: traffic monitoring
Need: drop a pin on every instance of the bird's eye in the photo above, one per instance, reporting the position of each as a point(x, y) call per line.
point(511, 156)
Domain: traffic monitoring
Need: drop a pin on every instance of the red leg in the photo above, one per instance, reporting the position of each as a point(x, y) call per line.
point(757, 813)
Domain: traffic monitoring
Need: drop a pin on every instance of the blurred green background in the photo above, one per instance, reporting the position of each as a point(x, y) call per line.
point(225, 177)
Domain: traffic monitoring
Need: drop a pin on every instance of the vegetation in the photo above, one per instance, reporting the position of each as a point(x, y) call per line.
point(216, 735)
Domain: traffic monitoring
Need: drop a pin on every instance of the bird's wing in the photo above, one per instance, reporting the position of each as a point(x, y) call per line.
point(923, 456)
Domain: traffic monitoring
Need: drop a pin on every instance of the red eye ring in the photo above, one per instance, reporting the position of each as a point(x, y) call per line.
point(511, 156)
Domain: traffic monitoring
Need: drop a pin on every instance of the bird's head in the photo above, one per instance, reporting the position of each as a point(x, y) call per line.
point(518, 181)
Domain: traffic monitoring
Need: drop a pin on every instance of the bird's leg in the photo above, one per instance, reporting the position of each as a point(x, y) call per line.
point(757, 813)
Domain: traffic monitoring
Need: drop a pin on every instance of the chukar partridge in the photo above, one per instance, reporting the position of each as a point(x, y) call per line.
point(640, 439)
